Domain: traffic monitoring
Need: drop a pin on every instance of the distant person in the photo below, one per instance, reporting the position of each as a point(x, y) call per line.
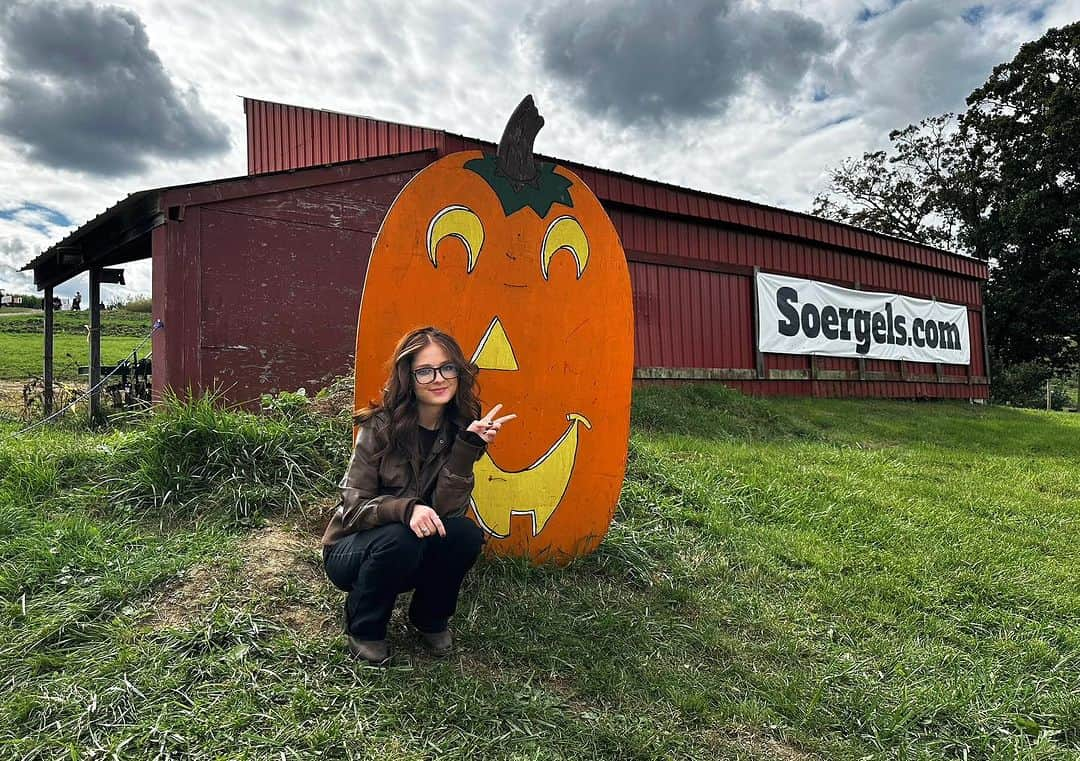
point(76, 302)
point(56, 303)
point(398, 527)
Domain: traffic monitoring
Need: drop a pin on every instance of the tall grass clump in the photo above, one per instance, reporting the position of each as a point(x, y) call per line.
point(196, 457)
point(51, 462)
point(142, 305)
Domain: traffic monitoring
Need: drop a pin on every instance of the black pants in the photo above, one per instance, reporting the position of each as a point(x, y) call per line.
point(376, 565)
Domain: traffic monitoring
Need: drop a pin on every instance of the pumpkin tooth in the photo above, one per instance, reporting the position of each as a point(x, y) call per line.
point(565, 232)
point(456, 222)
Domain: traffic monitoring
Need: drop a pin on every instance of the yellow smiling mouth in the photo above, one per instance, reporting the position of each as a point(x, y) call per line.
point(537, 490)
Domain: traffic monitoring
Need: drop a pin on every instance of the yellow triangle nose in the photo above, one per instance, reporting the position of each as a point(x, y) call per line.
point(494, 351)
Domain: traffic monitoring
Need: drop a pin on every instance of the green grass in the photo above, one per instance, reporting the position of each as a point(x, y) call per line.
point(21, 356)
point(22, 343)
point(784, 579)
point(115, 322)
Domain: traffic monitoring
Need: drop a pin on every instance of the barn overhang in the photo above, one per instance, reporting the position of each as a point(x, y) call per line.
point(119, 235)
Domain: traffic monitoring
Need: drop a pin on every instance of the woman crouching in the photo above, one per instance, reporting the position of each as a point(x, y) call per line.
point(401, 520)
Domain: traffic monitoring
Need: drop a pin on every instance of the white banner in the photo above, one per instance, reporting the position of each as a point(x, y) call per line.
point(797, 316)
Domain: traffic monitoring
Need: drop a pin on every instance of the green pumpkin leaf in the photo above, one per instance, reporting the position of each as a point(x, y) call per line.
point(548, 189)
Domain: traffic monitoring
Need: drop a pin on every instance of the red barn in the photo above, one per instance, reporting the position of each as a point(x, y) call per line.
point(258, 278)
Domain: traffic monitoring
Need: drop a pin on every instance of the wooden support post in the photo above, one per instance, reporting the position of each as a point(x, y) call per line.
point(939, 370)
point(861, 360)
point(986, 347)
point(759, 358)
point(49, 329)
point(95, 343)
point(970, 375)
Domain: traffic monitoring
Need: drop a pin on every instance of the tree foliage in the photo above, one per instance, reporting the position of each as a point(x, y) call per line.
point(900, 192)
point(1025, 123)
point(998, 182)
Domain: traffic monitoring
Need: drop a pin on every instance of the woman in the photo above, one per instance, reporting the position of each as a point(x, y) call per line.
point(400, 523)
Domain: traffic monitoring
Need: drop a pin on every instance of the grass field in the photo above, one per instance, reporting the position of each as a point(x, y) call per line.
point(22, 343)
point(21, 355)
point(785, 579)
point(116, 322)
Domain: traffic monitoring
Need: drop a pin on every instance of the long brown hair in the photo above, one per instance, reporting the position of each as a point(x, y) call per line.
point(399, 400)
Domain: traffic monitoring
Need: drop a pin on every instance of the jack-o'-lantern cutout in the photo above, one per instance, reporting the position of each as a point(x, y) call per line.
point(518, 261)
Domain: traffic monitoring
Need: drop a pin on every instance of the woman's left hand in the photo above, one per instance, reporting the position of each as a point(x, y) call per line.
point(488, 426)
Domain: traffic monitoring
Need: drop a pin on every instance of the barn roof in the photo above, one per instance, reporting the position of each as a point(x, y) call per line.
point(117, 235)
point(284, 136)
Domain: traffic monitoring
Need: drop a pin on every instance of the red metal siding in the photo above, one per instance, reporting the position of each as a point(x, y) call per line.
point(289, 137)
point(678, 237)
point(686, 318)
point(301, 255)
point(297, 323)
point(284, 137)
point(875, 389)
point(975, 329)
point(259, 283)
point(175, 299)
point(668, 302)
point(690, 254)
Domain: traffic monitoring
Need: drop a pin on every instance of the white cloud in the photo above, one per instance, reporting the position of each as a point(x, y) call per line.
point(104, 105)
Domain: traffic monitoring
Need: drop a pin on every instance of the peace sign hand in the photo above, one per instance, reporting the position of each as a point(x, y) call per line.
point(488, 426)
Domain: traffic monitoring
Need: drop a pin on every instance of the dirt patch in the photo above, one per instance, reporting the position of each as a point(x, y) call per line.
point(336, 398)
point(184, 600)
point(314, 518)
point(276, 571)
point(759, 746)
point(287, 565)
point(11, 398)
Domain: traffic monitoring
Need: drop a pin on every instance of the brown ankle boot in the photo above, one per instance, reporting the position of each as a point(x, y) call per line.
point(438, 644)
point(374, 651)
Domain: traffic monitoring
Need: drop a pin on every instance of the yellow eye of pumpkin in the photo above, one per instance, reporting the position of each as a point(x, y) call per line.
point(565, 232)
point(456, 222)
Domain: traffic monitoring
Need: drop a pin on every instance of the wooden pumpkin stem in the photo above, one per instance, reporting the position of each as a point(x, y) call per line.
point(515, 157)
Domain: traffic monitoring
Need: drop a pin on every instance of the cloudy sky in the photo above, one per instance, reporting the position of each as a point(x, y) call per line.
point(749, 98)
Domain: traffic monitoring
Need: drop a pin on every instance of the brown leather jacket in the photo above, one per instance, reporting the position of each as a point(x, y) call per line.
point(383, 488)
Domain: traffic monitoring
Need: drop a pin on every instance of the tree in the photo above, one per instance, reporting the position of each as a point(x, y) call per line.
point(1024, 124)
point(899, 194)
point(999, 182)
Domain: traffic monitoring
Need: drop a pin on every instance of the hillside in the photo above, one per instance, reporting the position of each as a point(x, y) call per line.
point(785, 579)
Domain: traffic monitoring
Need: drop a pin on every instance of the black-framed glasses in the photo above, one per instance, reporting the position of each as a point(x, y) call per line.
point(426, 375)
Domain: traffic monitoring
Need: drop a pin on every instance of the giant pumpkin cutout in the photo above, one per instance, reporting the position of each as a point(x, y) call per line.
point(520, 263)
